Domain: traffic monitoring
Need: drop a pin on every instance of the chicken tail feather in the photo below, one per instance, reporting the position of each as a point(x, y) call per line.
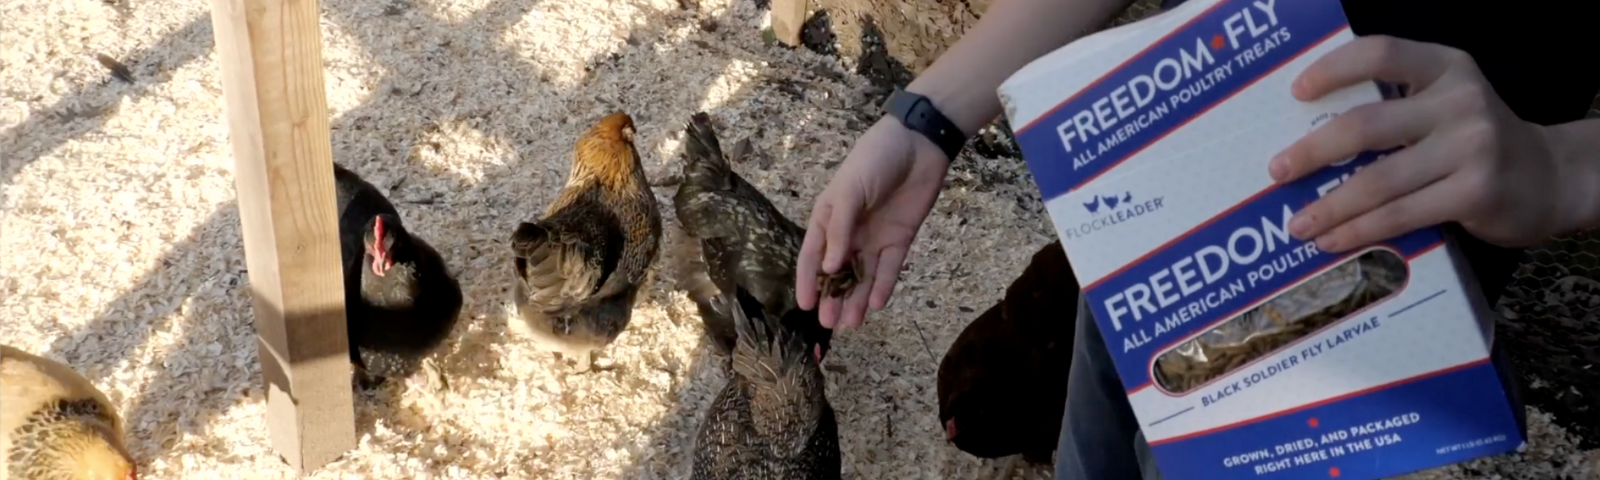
point(766, 350)
point(692, 277)
point(705, 159)
point(787, 394)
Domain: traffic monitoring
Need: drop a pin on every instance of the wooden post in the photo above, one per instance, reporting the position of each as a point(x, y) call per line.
point(788, 18)
point(271, 56)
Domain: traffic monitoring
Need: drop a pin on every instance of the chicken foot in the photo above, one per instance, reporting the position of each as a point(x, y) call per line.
point(597, 362)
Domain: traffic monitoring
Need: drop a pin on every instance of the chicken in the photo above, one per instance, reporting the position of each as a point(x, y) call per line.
point(772, 419)
point(740, 238)
point(1003, 383)
point(580, 267)
point(55, 425)
point(401, 300)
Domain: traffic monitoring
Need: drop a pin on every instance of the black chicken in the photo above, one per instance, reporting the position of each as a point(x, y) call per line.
point(772, 419)
point(1003, 383)
point(580, 266)
point(740, 238)
point(401, 301)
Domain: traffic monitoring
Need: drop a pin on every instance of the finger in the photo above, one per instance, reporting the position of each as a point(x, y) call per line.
point(841, 227)
point(1432, 205)
point(854, 311)
point(805, 271)
point(1374, 126)
point(828, 312)
point(1375, 57)
point(1380, 182)
point(890, 260)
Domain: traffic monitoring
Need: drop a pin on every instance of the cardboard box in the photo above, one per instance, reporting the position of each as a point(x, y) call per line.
point(1246, 353)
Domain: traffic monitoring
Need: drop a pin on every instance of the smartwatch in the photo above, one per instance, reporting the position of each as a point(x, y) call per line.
point(919, 115)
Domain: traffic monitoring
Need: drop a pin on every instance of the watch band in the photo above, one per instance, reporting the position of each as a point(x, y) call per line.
point(918, 114)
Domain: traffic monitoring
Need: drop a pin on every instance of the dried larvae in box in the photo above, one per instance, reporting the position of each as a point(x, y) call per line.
point(1295, 313)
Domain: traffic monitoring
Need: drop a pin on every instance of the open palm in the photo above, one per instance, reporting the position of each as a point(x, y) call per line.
point(868, 216)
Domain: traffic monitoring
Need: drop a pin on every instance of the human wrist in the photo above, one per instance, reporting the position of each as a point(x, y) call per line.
point(1575, 147)
point(917, 113)
point(922, 148)
point(967, 107)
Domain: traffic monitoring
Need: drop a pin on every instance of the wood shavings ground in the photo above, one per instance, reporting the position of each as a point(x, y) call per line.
point(120, 249)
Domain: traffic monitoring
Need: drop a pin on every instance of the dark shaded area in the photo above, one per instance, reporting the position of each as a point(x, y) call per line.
point(885, 72)
point(817, 34)
point(1552, 332)
point(1003, 383)
point(996, 141)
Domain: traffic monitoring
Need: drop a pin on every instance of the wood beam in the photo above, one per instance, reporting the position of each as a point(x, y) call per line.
point(271, 56)
point(788, 18)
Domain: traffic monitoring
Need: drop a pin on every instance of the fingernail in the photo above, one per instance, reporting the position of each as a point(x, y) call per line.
point(1299, 224)
point(1278, 167)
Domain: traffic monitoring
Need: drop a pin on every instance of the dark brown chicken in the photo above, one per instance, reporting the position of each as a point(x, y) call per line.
point(1003, 383)
point(55, 425)
point(580, 267)
point(739, 238)
point(401, 301)
point(772, 419)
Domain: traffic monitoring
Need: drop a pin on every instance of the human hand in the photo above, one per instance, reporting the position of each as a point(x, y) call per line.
point(871, 210)
point(1469, 158)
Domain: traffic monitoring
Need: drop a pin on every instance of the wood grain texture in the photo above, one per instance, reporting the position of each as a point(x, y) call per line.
point(271, 57)
point(788, 17)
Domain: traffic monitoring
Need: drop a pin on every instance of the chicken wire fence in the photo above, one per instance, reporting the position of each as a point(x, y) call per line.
point(1551, 326)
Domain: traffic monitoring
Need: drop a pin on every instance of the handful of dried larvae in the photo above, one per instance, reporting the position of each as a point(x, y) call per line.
point(839, 284)
point(1290, 316)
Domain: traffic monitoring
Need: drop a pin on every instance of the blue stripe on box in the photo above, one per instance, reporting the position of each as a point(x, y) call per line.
point(1167, 85)
point(1459, 414)
point(1215, 271)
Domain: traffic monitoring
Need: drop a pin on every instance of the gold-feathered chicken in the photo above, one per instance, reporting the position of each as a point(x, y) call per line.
point(772, 419)
point(580, 266)
point(740, 238)
point(55, 425)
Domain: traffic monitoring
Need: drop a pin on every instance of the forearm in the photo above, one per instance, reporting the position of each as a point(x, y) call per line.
point(962, 82)
point(1576, 146)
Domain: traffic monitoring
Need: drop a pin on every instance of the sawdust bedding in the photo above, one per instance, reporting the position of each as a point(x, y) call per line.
point(120, 250)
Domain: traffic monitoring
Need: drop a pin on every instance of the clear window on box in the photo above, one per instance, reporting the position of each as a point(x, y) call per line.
point(1293, 314)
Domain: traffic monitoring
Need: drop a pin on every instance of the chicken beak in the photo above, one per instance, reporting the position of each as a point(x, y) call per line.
point(817, 351)
point(380, 261)
point(950, 430)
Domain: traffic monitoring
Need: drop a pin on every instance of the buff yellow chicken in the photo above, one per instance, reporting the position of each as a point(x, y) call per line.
point(55, 425)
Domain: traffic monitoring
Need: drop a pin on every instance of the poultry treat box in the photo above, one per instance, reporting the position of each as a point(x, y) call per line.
point(1245, 352)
